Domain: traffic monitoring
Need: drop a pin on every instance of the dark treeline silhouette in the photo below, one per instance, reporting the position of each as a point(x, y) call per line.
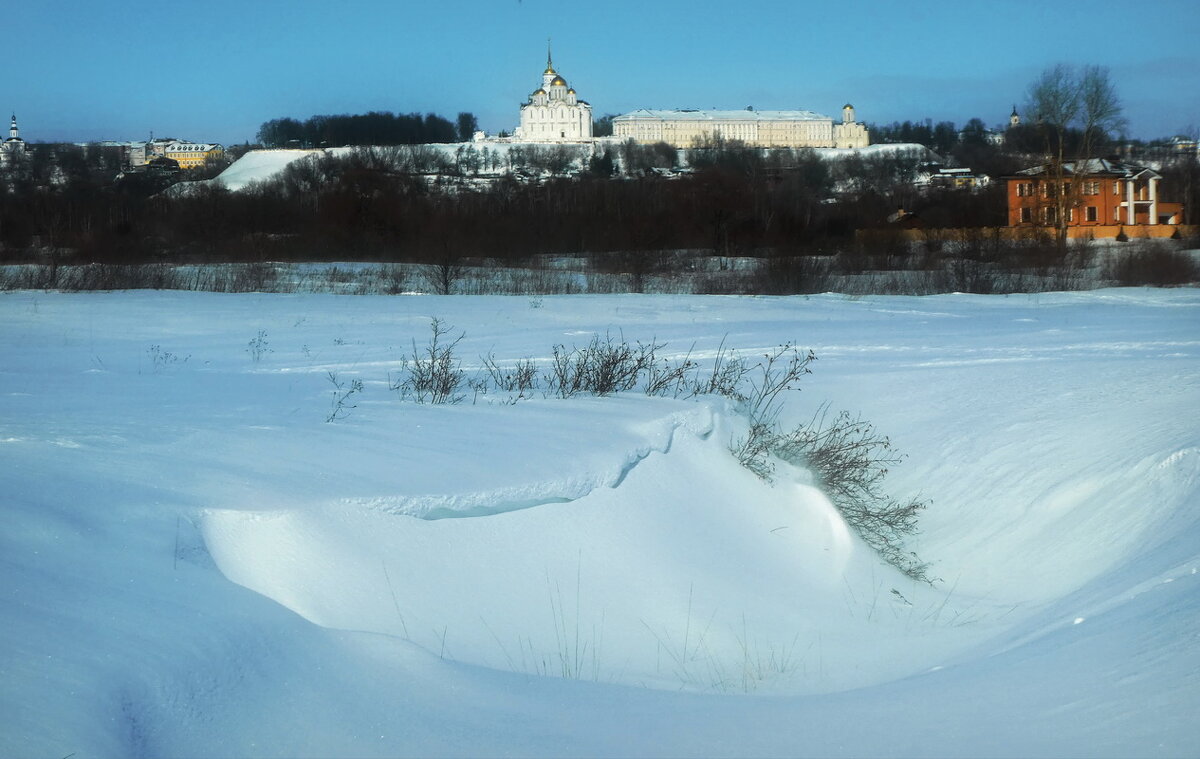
point(938, 137)
point(972, 140)
point(382, 204)
point(619, 206)
point(374, 128)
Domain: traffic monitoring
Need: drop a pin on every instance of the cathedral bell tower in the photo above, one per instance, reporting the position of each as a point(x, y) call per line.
point(549, 74)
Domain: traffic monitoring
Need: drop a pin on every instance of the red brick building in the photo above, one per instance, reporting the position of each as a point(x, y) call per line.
point(1100, 192)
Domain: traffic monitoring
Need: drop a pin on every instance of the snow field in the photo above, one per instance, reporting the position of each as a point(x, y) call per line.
point(195, 563)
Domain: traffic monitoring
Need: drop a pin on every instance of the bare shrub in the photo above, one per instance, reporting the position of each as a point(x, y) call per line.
point(790, 275)
point(779, 371)
point(968, 275)
point(256, 277)
point(394, 279)
point(850, 460)
point(93, 277)
point(724, 378)
point(666, 377)
point(432, 374)
point(340, 405)
point(607, 365)
point(603, 367)
point(520, 378)
point(161, 359)
point(442, 276)
point(259, 346)
point(846, 455)
point(1152, 262)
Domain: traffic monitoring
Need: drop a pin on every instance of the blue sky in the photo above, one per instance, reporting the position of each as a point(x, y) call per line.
point(215, 70)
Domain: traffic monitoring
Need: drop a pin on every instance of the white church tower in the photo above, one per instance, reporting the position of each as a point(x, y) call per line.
point(14, 146)
point(850, 133)
point(554, 112)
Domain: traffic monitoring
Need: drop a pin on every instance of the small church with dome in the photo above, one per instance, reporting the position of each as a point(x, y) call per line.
point(554, 112)
point(13, 148)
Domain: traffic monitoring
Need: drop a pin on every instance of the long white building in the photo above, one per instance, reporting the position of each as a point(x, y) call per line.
point(765, 129)
point(554, 112)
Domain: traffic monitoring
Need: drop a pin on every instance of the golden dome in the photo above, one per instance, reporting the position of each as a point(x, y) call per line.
point(549, 70)
point(558, 82)
point(571, 91)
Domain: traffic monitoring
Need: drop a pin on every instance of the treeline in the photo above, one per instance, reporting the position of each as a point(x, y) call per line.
point(619, 206)
point(374, 128)
point(938, 137)
point(377, 204)
point(1017, 142)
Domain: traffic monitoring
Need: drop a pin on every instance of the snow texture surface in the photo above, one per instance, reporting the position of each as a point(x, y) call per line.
point(195, 563)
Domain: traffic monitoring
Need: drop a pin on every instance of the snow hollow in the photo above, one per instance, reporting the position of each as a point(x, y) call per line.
point(197, 563)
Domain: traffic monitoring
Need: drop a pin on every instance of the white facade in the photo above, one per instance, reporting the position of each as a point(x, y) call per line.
point(764, 129)
point(137, 154)
point(850, 133)
point(554, 112)
point(14, 147)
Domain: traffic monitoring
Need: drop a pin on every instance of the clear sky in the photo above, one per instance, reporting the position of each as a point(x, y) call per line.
point(215, 70)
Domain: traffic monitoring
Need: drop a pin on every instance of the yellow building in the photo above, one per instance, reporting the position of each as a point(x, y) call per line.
point(191, 155)
point(763, 129)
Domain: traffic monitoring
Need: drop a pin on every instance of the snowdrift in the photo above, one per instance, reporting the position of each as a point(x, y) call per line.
point(196, 563)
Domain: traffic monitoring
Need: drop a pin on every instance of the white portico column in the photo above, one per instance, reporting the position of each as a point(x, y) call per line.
point(1130, 215)
point(1153, 200)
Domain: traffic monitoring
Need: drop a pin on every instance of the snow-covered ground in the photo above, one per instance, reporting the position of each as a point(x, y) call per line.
point(259, 165)
point(264, 165)
point(195, 563)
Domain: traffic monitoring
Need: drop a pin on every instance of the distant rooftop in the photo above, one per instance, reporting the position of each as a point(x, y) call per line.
point(191, 146)
point(699, 115)
point(1092, 167)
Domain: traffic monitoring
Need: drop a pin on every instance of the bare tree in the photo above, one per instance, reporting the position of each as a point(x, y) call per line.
point(1076, 109)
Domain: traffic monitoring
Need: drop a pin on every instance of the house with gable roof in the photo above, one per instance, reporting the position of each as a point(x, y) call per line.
point(1103, 192)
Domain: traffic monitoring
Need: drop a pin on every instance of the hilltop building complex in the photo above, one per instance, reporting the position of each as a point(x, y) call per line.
point(764, 129)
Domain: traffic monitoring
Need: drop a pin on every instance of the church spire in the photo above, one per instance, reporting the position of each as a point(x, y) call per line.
point(13, 132)
point(549, 74)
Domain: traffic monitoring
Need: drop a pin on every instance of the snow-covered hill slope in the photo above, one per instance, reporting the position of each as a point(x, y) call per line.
point(196, 564)
point(258, 166)
point(263, 165)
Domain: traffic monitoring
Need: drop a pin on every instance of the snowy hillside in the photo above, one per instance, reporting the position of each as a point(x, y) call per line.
point(197, 563)
point(258, 165)
point(262, 165)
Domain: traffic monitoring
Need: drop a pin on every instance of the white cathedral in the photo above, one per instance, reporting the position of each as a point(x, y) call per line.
point(554, 112)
